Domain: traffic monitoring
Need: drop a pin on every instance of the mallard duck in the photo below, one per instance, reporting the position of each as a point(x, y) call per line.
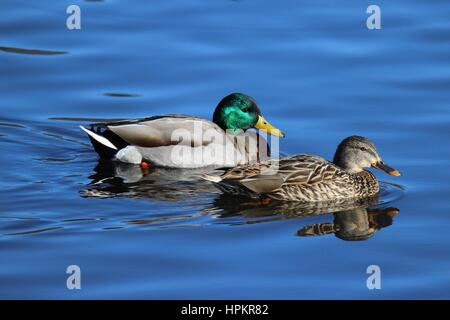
point(183, 141)
point(310, 178)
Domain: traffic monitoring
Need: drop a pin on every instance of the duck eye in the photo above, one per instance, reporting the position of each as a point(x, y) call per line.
point(245, 110)
point(364, 149)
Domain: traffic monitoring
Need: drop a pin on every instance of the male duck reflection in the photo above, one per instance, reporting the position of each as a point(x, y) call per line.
point(309, 178)
point(160, 140)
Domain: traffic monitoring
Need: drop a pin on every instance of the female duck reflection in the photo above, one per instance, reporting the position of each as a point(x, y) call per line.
point(353, 225)
point(352, 220)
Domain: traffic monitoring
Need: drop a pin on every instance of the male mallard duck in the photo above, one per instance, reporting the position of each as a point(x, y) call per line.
point(309, 178)
point(183, 141)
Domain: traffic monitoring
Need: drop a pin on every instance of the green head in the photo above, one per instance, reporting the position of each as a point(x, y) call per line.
point(238, 111)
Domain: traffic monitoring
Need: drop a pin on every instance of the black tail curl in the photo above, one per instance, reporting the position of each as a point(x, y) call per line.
point(104, 151)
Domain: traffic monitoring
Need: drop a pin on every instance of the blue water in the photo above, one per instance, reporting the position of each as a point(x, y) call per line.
point(317, 73)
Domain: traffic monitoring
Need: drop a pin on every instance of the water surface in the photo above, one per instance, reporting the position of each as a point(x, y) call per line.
point(317, 73)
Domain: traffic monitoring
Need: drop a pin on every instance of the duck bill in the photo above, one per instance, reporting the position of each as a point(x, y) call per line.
point(384, 167)
point(263, 124)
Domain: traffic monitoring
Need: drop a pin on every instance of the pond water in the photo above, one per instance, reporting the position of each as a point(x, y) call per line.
point(317, 73)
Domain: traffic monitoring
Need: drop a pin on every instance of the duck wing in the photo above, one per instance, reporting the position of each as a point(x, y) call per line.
point(162, 130)
point(301, 170)
point(306, 169)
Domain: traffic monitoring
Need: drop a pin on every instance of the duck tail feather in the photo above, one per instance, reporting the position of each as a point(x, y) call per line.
point(215, 179)
point(103, 146)
point(99, 138)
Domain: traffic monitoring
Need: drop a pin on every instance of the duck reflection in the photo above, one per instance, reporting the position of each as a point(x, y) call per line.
point(233, 205)
point(353, 225)
point(353, 220)
point(356, 220)
point(113, 179)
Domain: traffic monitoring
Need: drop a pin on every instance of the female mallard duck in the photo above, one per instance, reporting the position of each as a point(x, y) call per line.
point(309, 178)
point(183, 141)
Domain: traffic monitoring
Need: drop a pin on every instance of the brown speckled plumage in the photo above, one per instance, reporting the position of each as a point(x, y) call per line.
point(308, 178)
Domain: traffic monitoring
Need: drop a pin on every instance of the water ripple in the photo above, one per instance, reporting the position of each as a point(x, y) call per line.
point(31, 51)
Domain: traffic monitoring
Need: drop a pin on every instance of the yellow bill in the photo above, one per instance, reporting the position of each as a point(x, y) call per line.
point(263, 124)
